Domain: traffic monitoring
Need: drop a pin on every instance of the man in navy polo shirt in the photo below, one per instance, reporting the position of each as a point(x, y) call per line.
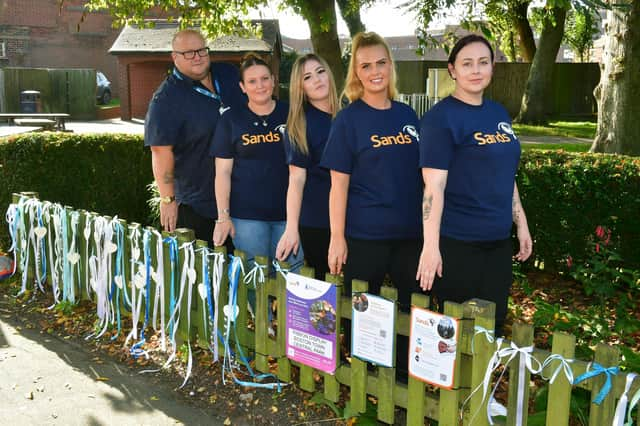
point(179, 126)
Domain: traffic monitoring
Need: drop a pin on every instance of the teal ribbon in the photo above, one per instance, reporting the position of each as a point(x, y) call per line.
point(598, 370)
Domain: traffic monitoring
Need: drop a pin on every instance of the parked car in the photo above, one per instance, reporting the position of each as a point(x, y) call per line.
point(103, 89)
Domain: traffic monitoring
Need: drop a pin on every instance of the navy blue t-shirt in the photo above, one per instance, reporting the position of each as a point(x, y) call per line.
point(480, 151)
point(183, 114)
point(379, 149)
point(260, 174)
point(315, 200)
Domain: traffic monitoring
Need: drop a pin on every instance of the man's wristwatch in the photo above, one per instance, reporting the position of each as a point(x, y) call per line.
point(168, 199)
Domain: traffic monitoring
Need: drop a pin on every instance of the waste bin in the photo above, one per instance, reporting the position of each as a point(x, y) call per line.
point(30, 101)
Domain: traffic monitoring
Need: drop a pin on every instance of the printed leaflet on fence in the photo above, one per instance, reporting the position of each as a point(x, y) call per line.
point(373, 328)
point(432, 347)
point(311, 322)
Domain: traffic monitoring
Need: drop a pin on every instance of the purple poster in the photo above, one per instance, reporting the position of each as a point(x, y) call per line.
point(311, 322)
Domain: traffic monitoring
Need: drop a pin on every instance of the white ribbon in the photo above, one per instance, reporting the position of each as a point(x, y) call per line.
point(562, 366)
point(621, 408)
point(255, 275)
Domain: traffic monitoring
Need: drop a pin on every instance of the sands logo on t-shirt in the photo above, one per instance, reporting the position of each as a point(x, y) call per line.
point(402, 138)
point(505, 134)
point(248, 139)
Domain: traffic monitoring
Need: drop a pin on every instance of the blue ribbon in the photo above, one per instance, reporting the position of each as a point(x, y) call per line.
point(234, 276)
point(173, 257)
point(598, 370)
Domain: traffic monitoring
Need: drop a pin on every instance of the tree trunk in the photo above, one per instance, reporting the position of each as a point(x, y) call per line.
point(534, 106)
point(321, 17)
point(350, 11)
point(619, 88)
point(525, 33)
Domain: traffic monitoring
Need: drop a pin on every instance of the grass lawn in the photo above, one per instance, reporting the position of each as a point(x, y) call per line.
point(114, 102)
point(575, 129)
point(570, 147)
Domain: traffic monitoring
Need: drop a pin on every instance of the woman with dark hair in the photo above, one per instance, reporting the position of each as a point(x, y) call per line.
point(251, 171)
point(469, 156)
point(313, 105)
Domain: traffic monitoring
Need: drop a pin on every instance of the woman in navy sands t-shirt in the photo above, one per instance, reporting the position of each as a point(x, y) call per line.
point(251, 171)
point(313, 104)
point(469, 155)
point(372, 154)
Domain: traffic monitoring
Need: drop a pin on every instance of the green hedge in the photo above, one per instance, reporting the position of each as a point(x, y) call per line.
point(105, 173)
point(565, 195)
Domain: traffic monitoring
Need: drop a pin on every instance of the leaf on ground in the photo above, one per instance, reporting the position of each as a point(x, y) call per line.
point(227, 421)
point(102, 379)
point(154, 398)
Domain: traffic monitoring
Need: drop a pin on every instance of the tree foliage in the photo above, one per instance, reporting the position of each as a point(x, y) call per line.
point(581, 27)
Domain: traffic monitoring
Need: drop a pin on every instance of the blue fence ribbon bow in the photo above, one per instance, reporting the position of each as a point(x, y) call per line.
point(598, 370)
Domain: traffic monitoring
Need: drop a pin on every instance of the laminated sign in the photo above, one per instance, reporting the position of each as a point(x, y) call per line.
point(433, 347)
point(311, 322)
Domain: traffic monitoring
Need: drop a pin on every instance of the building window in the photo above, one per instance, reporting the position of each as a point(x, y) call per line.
point(3, 49)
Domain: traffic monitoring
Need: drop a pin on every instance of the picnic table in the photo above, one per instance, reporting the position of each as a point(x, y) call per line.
point(47, 120)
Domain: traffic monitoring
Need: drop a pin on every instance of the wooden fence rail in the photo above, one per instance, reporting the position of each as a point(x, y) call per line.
point(51, 257)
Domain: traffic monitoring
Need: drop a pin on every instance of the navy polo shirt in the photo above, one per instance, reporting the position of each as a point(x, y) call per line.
point(183, 114)
point(315, 198)
point(260, 174)
point(480, 151)
point(379, 149)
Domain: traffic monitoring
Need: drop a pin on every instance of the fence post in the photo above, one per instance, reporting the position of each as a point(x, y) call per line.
point(387, 375)
point(262, 320)
point(331, 384)
point(199, 304)
point(242, 320)
point(607, 356)
point(415, 387)
point(284, 364)
point(483, 312)
point(223, 297)
point(358, 367)
point(183, 235)
point(559, 398)
point(449, 406)
point(522, 337)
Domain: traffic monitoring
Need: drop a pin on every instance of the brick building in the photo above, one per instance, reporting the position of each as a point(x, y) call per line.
point(42, 33)
point(144, 59)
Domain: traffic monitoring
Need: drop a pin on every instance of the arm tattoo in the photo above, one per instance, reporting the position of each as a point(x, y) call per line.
point(515, 208)
point(168, 177)
point(427, 202)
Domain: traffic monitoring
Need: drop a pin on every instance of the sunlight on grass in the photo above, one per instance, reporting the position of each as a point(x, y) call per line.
point(575, 129)
point(569, 147)
point(112, 103)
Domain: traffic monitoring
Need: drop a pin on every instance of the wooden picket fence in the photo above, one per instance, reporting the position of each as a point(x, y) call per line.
point(421, 402)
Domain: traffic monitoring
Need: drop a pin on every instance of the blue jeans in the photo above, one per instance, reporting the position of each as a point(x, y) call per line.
point(260, 238)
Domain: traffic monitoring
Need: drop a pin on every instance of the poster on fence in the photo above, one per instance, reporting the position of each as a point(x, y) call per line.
point(311, 322)
point(373, 328)
point(432, 347)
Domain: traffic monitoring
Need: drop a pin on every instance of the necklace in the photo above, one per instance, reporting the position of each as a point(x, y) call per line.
point(263, 119)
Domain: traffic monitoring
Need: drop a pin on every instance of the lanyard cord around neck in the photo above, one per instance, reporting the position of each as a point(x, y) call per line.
point(203, 90)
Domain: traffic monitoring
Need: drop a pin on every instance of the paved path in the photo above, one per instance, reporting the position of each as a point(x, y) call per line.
point(45, 380)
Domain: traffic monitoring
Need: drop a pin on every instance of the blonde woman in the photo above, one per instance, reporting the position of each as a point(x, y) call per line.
point(313, 105)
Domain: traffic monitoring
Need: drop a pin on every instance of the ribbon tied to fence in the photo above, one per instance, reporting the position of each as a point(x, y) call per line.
point(598, 370)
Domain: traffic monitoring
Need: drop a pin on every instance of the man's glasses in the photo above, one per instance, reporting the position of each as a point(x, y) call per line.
point(190, 54)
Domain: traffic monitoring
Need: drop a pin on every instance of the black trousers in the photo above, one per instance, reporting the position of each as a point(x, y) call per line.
point(202, 226)
point(315, 243)
point(480, 269)
point(370, 261)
